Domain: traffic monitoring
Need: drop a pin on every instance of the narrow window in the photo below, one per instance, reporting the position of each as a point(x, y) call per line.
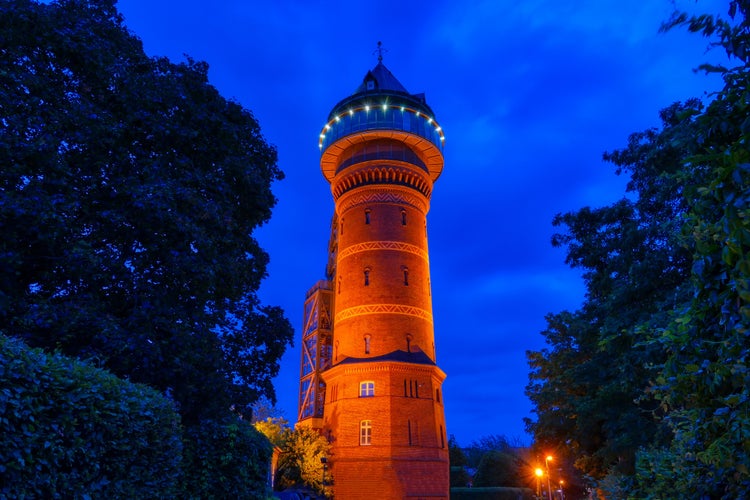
point(405, 388)
point(339, 284)
point(367, 276)
point(403, 217)
point(416, 388)
point(342, 227)
point(367, 344)
point(366, 389)
point(365, 432)
point(437, 395)
point(408, 343)
point(442, 438)
point(406, 275)
point(367, 216)
point(336, 351)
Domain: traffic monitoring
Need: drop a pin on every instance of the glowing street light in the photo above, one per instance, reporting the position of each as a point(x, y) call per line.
point(539, 473)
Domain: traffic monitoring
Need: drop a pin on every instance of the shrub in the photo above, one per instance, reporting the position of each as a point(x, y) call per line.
point(227, 459)
point(70, 430)
point(492, 493)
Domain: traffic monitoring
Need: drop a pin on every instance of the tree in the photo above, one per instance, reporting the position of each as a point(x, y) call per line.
point(459, 477)
point(497, 468)
point(129, 191)
point(588, 387)
point(300, 461)
point(665, 321)
point(705, 380)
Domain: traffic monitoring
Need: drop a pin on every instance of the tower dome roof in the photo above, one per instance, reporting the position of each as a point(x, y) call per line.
point(382, 78)
point(382, 107)
point(380, 82)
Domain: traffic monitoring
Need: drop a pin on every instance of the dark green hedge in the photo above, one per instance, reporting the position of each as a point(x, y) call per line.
point(492, 493)
point(226, 460)
point(69, 430)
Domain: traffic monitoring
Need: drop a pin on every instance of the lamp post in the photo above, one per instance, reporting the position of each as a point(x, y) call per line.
point(562, 493)
point(539, 473)
point(547, 460)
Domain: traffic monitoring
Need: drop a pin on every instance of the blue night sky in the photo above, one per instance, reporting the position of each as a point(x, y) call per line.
point(529, 94)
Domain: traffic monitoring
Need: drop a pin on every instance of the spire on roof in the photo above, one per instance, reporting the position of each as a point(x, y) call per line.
point(379, 51)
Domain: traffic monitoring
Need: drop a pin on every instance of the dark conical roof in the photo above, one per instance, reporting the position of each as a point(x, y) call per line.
point(379, 81)
point(382, 79)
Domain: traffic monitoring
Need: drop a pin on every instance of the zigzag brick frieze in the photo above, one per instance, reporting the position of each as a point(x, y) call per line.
point(371, 196)
point(383, 309)
point(383, 245)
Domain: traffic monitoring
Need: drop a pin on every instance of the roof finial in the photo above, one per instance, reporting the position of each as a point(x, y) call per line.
point(380, 51)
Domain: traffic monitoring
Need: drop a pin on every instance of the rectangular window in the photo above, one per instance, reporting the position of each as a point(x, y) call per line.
point(366, 389)
point(365, 432)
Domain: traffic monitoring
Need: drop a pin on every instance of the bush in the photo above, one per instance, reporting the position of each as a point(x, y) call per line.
point(70, 430)
point(228, 459)
point(493, 493)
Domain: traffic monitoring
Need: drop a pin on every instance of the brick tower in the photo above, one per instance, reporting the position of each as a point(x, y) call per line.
point(369, 377)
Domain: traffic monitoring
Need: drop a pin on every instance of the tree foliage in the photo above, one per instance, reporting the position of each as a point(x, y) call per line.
point(648, 381)
point(588, 386)
point(226, 459)
point(129, 191)
point(459, 476)
point(70, 430)
point(300, 462)
point(498, 468)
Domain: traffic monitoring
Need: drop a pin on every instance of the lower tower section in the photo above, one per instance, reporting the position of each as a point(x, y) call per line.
point(387, 428)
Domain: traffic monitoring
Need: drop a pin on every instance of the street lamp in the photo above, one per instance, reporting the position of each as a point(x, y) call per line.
point(547, 460)
point(562, 493)
point(539, 473)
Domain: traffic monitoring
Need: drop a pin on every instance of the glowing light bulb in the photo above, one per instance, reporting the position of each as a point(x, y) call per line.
point(402, 108)
point(351, 112)
point(438, 129)
point(367, 107)
point(328, 127)
point(338, 119)
point(385, 107)
point(429, 120)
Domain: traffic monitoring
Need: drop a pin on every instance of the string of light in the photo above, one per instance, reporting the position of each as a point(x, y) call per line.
point(366, 108)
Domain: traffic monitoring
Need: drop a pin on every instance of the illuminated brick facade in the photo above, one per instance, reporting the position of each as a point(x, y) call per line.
point(370, 381)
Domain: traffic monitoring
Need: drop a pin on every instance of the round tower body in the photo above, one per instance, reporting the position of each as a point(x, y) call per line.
point(381, 152)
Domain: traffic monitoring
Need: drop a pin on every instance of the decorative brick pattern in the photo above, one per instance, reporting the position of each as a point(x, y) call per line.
point(383, 309)
point(383, 245)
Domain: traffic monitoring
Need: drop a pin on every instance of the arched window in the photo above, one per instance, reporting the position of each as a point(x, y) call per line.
point(403, 217)
point(406, 275)
point(367, 276)
point(365, 432)
point(408, 342)
point(367, 344)
point(367, 216)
